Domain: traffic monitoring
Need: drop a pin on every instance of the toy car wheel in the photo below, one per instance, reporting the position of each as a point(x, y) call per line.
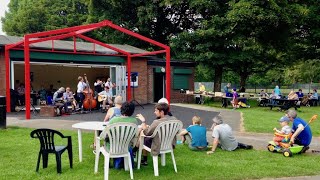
point(271, 148)
point(287, 153)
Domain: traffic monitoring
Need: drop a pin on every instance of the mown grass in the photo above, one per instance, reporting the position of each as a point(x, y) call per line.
point(18, 156)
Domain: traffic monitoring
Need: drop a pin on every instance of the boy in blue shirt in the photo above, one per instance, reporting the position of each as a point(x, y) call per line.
point(195, 135)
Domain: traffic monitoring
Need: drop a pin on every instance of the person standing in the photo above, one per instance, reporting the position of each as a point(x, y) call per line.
point(277, 91)
point(302, 134)
point(98, 87)
point(110, 85)
point(226, 90)
point(80, 87)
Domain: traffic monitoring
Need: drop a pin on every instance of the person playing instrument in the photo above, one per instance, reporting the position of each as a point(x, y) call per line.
point(69, 98)
point(106, 98)
point(114, 111)
point(98, 87)
point(110, 85)
point(58, 99)
point(81, 86)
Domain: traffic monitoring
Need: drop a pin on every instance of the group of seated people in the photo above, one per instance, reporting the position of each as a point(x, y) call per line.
point(194, 135)
point(310, 99)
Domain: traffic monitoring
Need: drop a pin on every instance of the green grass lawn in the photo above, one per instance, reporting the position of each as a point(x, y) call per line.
point(18, 155)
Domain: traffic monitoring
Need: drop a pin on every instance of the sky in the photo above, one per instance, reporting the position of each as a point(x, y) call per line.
point(3, 8)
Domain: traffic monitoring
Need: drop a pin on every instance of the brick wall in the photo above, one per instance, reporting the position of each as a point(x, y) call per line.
point(140, 93)
point(176, 96)
point(2, 74)
point(150, 84)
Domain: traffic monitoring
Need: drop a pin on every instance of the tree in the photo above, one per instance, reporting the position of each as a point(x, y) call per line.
point(159, 20)
point(29, 16)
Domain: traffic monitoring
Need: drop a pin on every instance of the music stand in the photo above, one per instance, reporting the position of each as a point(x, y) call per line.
point(134, 79)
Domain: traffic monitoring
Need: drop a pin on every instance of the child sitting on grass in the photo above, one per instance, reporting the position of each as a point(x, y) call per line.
point(284, 132)
point(195, 135)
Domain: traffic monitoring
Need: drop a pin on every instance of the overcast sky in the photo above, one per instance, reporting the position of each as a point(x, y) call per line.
point(3, 8)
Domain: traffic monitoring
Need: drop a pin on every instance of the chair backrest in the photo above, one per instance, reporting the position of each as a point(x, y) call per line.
point(120, 135)
point(167, 131)
point(46, 138)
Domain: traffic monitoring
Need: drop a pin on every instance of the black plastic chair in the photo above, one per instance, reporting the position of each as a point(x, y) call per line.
point(46, 138)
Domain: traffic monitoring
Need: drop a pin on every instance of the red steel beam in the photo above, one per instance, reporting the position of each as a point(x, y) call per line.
point(9, 46)
point(149, 53)
point(69, 29)
point(69, 52)
point(119, 28)
point(102, 44)
point(7, 59)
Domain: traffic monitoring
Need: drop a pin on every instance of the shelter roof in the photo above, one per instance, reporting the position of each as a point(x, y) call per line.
point(68, 46)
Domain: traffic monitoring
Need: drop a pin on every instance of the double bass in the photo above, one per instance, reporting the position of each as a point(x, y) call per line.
point(89, 102)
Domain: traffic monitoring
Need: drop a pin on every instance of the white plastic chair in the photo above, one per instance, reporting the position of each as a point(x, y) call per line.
point(167, 131)
point(120, 135)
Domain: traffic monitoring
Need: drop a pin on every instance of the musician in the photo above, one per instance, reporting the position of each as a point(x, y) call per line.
point(21, 97)
point(98, 87)
point(81, 86)
point(58, 99)
point(107, 99)
point(110, 85)
point(69, 98)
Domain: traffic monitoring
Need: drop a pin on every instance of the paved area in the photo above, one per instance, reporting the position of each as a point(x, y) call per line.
point(184, 112)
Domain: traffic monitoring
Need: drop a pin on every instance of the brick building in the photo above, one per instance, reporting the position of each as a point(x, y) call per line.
point(62, 67)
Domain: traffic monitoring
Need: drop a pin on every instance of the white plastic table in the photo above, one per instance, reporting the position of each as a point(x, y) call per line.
point(91, 125)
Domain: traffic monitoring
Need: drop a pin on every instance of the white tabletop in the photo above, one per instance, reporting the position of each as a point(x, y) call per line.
point(91, 125)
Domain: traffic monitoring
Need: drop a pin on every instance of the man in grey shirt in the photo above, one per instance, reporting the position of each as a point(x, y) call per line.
point(223, 137)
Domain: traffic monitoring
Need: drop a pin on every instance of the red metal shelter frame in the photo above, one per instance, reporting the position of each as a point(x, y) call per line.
point(77, 32)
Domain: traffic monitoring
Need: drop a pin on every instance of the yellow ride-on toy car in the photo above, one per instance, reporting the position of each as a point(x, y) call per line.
point(285, 147)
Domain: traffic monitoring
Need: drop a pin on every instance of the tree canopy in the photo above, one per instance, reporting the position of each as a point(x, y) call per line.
point(246, 37)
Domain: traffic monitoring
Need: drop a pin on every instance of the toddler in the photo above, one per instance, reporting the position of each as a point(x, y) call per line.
point(284, 132)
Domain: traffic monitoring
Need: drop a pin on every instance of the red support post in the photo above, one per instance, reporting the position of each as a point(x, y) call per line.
point(168, 74)
point(7, 59)
point(129, 78)
point(74, 44)
point(27, 75)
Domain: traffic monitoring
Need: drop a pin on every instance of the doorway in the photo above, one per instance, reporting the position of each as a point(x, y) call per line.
point(158, 86)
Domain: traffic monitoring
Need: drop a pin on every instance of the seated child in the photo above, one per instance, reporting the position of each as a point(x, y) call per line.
point(283, 134)
point(195, 135)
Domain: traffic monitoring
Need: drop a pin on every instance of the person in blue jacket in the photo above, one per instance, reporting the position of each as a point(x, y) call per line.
point(302, 134)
